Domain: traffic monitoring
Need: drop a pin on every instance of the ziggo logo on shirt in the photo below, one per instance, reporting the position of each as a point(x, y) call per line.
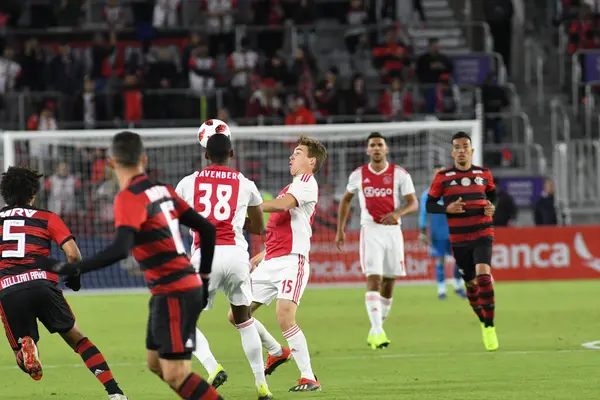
point(377, 192)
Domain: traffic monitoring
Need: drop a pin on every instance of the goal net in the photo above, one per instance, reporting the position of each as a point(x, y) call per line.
point(79, 186)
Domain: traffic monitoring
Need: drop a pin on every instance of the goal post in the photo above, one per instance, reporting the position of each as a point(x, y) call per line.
point(81, 188)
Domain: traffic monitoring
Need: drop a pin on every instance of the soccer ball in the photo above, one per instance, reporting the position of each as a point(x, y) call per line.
point(211, 127)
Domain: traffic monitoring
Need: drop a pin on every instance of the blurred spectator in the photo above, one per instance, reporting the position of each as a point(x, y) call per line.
point(303, 74)
point(442, 99)
point(222, 65)
point(67, 77)
point(163, 75)
point(357, 101)
point(223, 115)
point(90, 107)
point(498, 14)
point(165, 13)
point(201, 70)
point(506, 209)
point(101, 68)
point(63, 191)
point(583, 32)
point(242, 63)
point(132, 99)
point(68, 12)
point(327, 95)
point(495, 101)
point(299, 114)
point(356, 19)
point(276, 69)
point(104, 196)
point(362, 58)
point(418, 7)
point(10, 71)
point(195, 41)
point(545, 211)
point(305, 13)
point(114, 15)
point(433, 64)
point(271, 40)
point(10, 12)
point(40, 149)
point(397, 102)
point(391, 57)
point(387, 14)
point(220, 24)
point(264, 102)
point(34, 67)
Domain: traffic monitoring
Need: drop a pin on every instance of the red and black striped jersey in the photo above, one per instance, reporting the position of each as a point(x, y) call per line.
point(473, 186)
point(153, 211)
point(27, 233)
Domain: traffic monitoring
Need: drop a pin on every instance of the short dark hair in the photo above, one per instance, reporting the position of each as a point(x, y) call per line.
point(19, 185)
point(437, 166)
point(127, 148)
point(461, 135)
point(218, 148)
point(375, 135)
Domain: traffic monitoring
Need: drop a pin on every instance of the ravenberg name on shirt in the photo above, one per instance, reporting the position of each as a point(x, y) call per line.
point(211, 173)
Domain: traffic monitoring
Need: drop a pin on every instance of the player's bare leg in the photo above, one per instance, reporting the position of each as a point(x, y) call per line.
point(277, 354)
point(377, 337)
point(94, 361)
point(252, 345)
point(216, 373)
point(286, 316)
point(179, 376)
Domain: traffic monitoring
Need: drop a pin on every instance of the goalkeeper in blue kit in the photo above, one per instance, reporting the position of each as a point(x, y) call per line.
point(439, 244)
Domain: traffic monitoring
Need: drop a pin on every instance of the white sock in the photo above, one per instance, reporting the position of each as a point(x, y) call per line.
point(441, 287)
point(268, 341)
point(386, 305)
point(253, 349)
point(458, 283)
point(299, 348)
point(373, 303)
point(203, 353)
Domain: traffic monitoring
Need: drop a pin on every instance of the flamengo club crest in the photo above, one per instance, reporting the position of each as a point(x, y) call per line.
point(387, 179)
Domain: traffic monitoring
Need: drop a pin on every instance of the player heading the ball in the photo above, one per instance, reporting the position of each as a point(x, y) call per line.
point(147, 218)
point(469, 193)
point(224, 196)
point(28, 294)
point(283, 268)
point(381, 186)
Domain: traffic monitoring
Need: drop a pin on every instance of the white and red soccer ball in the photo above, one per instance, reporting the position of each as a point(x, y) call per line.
point(211, 127)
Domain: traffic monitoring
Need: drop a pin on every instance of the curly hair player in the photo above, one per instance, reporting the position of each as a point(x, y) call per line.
point(468, 192)
point(28, 294)
point(147, 218)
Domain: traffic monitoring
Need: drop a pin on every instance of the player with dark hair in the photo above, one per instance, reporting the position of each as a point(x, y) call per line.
point(224, 197)
point(386, 194)
point(438, 241)
point(147, 218)
point(469, 193)
point(28, 294)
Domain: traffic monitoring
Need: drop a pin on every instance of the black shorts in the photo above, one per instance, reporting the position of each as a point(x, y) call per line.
point(20, 310)
point(469, 255)
point(172, 323)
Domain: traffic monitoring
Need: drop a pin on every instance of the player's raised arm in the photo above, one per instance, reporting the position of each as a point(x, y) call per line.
point(283, 204)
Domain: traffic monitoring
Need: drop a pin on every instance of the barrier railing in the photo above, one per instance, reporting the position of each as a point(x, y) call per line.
point(534, 67)
point(560, 124)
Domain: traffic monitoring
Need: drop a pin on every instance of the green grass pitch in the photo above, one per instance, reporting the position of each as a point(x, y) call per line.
point(436, 351)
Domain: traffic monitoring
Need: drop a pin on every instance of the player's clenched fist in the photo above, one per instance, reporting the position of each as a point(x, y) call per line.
point(340, 238)
point(456, 207)
point(257, 259)
point(489, 209)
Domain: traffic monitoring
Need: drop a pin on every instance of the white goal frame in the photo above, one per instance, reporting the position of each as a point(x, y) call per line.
point(332, 132)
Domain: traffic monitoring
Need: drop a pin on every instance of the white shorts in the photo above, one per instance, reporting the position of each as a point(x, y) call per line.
point(382, 251)
point(282, 277)
point(230, 275)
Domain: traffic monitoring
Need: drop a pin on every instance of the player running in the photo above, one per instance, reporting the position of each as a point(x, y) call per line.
point(147, 218)
point(380, 186)
point(223, 196)
point(283, 267)
point(468, 194)
point(439, 244)
point(28, 294)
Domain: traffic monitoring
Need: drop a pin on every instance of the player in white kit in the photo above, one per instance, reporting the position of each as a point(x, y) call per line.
point(380, 186)
point(223, 196)
point(283, 267)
